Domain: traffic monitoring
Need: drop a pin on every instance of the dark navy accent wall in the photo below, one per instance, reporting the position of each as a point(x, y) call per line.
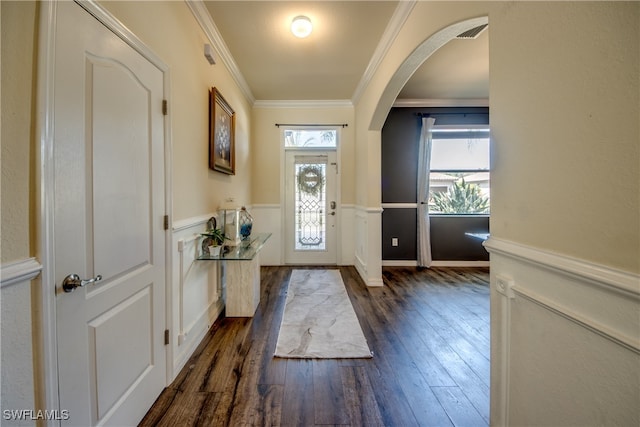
point(399, 149)
point(450, 243)
point(401, 224)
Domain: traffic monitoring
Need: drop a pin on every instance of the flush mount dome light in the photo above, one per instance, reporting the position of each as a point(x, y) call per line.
point(301, 26)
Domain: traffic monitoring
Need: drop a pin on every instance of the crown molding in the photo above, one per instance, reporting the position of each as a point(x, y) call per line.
point(480, 102)
point(200, 12)
point(394, 26)
point(320, 103)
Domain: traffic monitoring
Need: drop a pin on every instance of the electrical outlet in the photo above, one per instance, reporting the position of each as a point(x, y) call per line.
point(394, 241)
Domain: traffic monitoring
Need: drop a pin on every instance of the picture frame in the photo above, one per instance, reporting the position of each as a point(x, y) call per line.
point(222, 121)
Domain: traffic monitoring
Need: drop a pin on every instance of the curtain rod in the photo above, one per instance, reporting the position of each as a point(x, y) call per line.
point(344, 125)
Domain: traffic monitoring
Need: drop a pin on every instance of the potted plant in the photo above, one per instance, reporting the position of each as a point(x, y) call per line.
point(214, 239)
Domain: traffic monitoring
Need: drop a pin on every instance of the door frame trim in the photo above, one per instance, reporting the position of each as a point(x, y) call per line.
point(283, 204)
point(45, 342)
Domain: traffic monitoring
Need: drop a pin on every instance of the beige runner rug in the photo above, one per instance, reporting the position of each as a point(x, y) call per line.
point(318, 320)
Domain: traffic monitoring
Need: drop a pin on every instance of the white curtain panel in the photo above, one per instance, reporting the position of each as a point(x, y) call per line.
point(424, 166)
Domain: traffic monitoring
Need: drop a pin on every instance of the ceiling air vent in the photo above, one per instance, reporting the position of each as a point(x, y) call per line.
point(472, 33)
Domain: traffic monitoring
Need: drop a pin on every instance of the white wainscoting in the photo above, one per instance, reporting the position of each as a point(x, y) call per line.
point(268, 219)
point(368, 244)
point(565, 339)
point(17, 376)
point(196, 290)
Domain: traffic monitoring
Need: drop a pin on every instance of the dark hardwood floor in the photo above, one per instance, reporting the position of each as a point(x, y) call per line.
point(428, 330)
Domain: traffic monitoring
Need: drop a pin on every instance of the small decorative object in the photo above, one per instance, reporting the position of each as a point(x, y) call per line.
point(215, 250)
point(217, 236)
point(213, 239)
point(212, 224)
point(310, 179)
point(222, 118)
point(230, 223)
point(246, 223)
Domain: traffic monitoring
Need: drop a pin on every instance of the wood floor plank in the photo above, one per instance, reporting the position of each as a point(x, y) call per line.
point(392, 403)
point(186, 409)
point(428, 331)
point(359, 397)
point(469, 352)
point(423, 403)
point(461, 411)
point(328, 394)
point(209, 369)
point(427, 363)
point(298, 402)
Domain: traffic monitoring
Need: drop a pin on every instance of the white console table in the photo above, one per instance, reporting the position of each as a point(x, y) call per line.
point(242, 266)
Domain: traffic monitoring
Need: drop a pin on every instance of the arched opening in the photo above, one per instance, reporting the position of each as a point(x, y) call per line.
point(413, 62)
point(398, 157)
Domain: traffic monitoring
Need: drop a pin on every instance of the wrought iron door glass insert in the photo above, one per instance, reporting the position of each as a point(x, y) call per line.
point(310, 200)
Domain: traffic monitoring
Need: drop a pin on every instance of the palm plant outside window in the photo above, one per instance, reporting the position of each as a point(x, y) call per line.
point(459, 178)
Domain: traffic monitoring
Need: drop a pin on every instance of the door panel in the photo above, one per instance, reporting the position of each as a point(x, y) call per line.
point(311, 207)
point(115, 376)
point(122, 236)
point(108, 222)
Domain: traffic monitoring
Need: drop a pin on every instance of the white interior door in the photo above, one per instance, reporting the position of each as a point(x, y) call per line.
point(108, 224)
point(311, 207)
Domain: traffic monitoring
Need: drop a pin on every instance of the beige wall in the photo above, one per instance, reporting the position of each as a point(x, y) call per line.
point(266, 148)
point(564, 101)
point(171, 31)
point(17, 86)
point(565, 110)
point(19, 33)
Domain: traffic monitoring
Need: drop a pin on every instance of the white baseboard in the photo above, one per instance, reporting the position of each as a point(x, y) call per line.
point(460, 264)
point(198, 330)
point(410, 263)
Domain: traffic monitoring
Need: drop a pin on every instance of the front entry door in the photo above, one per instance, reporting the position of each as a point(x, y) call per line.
point(311, 207)
point(108, 224)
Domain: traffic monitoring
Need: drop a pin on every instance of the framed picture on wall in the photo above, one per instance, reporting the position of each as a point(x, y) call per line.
point(222, 156)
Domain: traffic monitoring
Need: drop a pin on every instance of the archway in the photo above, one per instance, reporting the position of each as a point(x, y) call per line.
point(413, 62)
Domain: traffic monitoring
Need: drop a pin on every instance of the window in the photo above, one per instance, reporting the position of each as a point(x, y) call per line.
point(310, 138)
point(459, 178)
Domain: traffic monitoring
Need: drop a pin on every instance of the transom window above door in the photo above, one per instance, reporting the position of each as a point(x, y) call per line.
point(311, 138)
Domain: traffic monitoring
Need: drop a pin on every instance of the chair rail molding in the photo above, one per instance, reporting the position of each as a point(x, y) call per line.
point(21, 271)
point(600, 275)
point(551, 310)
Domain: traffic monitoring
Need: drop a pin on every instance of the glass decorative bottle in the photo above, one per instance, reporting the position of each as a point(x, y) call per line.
point(246, 223)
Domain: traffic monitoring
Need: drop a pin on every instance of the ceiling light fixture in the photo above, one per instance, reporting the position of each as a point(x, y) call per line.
point(301, 26)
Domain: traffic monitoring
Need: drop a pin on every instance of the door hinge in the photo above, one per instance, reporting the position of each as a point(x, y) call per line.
point(166, 222)
point(165, 107)
point(166, 337)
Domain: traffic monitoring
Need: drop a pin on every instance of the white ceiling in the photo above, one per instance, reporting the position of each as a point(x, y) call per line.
point(331, 63)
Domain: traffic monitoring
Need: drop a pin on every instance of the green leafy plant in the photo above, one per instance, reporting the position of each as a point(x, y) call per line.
point(217, 235)
point(462, 198)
